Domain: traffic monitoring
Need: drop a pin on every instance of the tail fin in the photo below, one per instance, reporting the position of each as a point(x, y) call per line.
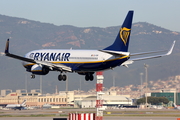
point(122, 40)
point(175, 105)
point(23, 103)
point(7, 47)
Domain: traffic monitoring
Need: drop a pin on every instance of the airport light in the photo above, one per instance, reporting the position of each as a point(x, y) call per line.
point(26, 81)
point(80, 86)
point(113, 81)
point(146, 71)
point(67, 91)
point(40, 84)
point(141, 74)
point(114, 74)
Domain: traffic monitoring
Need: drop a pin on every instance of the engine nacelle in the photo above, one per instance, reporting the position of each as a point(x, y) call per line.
point(85, 73)
point(36, 69)
point(81, 73)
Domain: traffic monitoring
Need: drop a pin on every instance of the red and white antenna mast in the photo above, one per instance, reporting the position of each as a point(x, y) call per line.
point(99, 101)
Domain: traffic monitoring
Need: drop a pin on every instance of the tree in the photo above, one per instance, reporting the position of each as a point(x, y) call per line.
point(153, 100)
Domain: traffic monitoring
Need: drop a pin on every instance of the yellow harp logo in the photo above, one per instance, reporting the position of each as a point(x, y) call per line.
point(124, 34)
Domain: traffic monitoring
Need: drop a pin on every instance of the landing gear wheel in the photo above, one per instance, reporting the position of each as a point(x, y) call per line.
point(89, 77)
point(60, 77)
point(64, 77)
point(32, 76)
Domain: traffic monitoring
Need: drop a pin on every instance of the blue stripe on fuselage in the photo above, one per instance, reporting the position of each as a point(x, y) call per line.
point(91, 66)
point(97, 66)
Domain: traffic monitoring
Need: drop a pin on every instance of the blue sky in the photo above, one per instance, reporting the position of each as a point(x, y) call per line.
point(97, 13)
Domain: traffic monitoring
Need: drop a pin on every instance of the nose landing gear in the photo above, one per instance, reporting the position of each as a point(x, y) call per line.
point(32, 76)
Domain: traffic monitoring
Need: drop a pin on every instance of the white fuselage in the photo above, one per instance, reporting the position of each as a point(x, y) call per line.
point(78, 60)
point(66, 56)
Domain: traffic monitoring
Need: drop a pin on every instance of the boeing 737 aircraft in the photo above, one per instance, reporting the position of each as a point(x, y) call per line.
point(84, 62)
point(17, 106)
point(176, 107)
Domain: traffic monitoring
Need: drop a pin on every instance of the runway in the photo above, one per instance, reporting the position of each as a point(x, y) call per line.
point(104, 118)
point(115, 114)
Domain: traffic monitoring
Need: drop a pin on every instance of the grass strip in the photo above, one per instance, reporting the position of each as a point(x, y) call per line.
point(38, 115)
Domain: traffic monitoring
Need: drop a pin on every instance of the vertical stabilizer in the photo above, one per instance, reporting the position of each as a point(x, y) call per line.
point(23, 103)
point(121, 42)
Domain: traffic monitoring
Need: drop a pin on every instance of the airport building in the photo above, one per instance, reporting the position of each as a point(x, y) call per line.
point(63, 98)
point(77, 100)
point(108, 101)
point(33, 98)
point(171, 94)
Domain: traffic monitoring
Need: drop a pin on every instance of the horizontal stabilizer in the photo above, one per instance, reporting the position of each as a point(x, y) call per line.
point(150, 57)
point(116, 53)
point(143, 53)
point(126, 63)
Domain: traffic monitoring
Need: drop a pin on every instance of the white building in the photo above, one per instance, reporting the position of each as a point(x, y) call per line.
point(108, 101)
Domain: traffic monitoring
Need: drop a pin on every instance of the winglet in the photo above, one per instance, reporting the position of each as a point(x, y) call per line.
point(7, 47)
point(171, 49)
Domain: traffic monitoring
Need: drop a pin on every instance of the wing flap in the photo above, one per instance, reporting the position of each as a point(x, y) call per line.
point(58, 66)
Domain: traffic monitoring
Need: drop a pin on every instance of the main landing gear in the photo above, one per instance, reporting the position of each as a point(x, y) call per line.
point(62, 77)
point(89, 76)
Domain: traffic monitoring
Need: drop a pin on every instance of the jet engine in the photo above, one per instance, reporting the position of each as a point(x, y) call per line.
point(39, 70)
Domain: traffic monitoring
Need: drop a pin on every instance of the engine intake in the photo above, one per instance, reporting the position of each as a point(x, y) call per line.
point(36, 69)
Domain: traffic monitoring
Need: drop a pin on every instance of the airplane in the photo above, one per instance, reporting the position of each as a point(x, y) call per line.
point(176, 107)
point(17, 106)
point(85, 62)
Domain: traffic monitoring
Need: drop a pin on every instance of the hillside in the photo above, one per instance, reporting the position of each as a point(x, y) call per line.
point(26, 35)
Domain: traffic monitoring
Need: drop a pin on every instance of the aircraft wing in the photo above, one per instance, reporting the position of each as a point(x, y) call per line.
point(131, 60)
point(50, 65)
